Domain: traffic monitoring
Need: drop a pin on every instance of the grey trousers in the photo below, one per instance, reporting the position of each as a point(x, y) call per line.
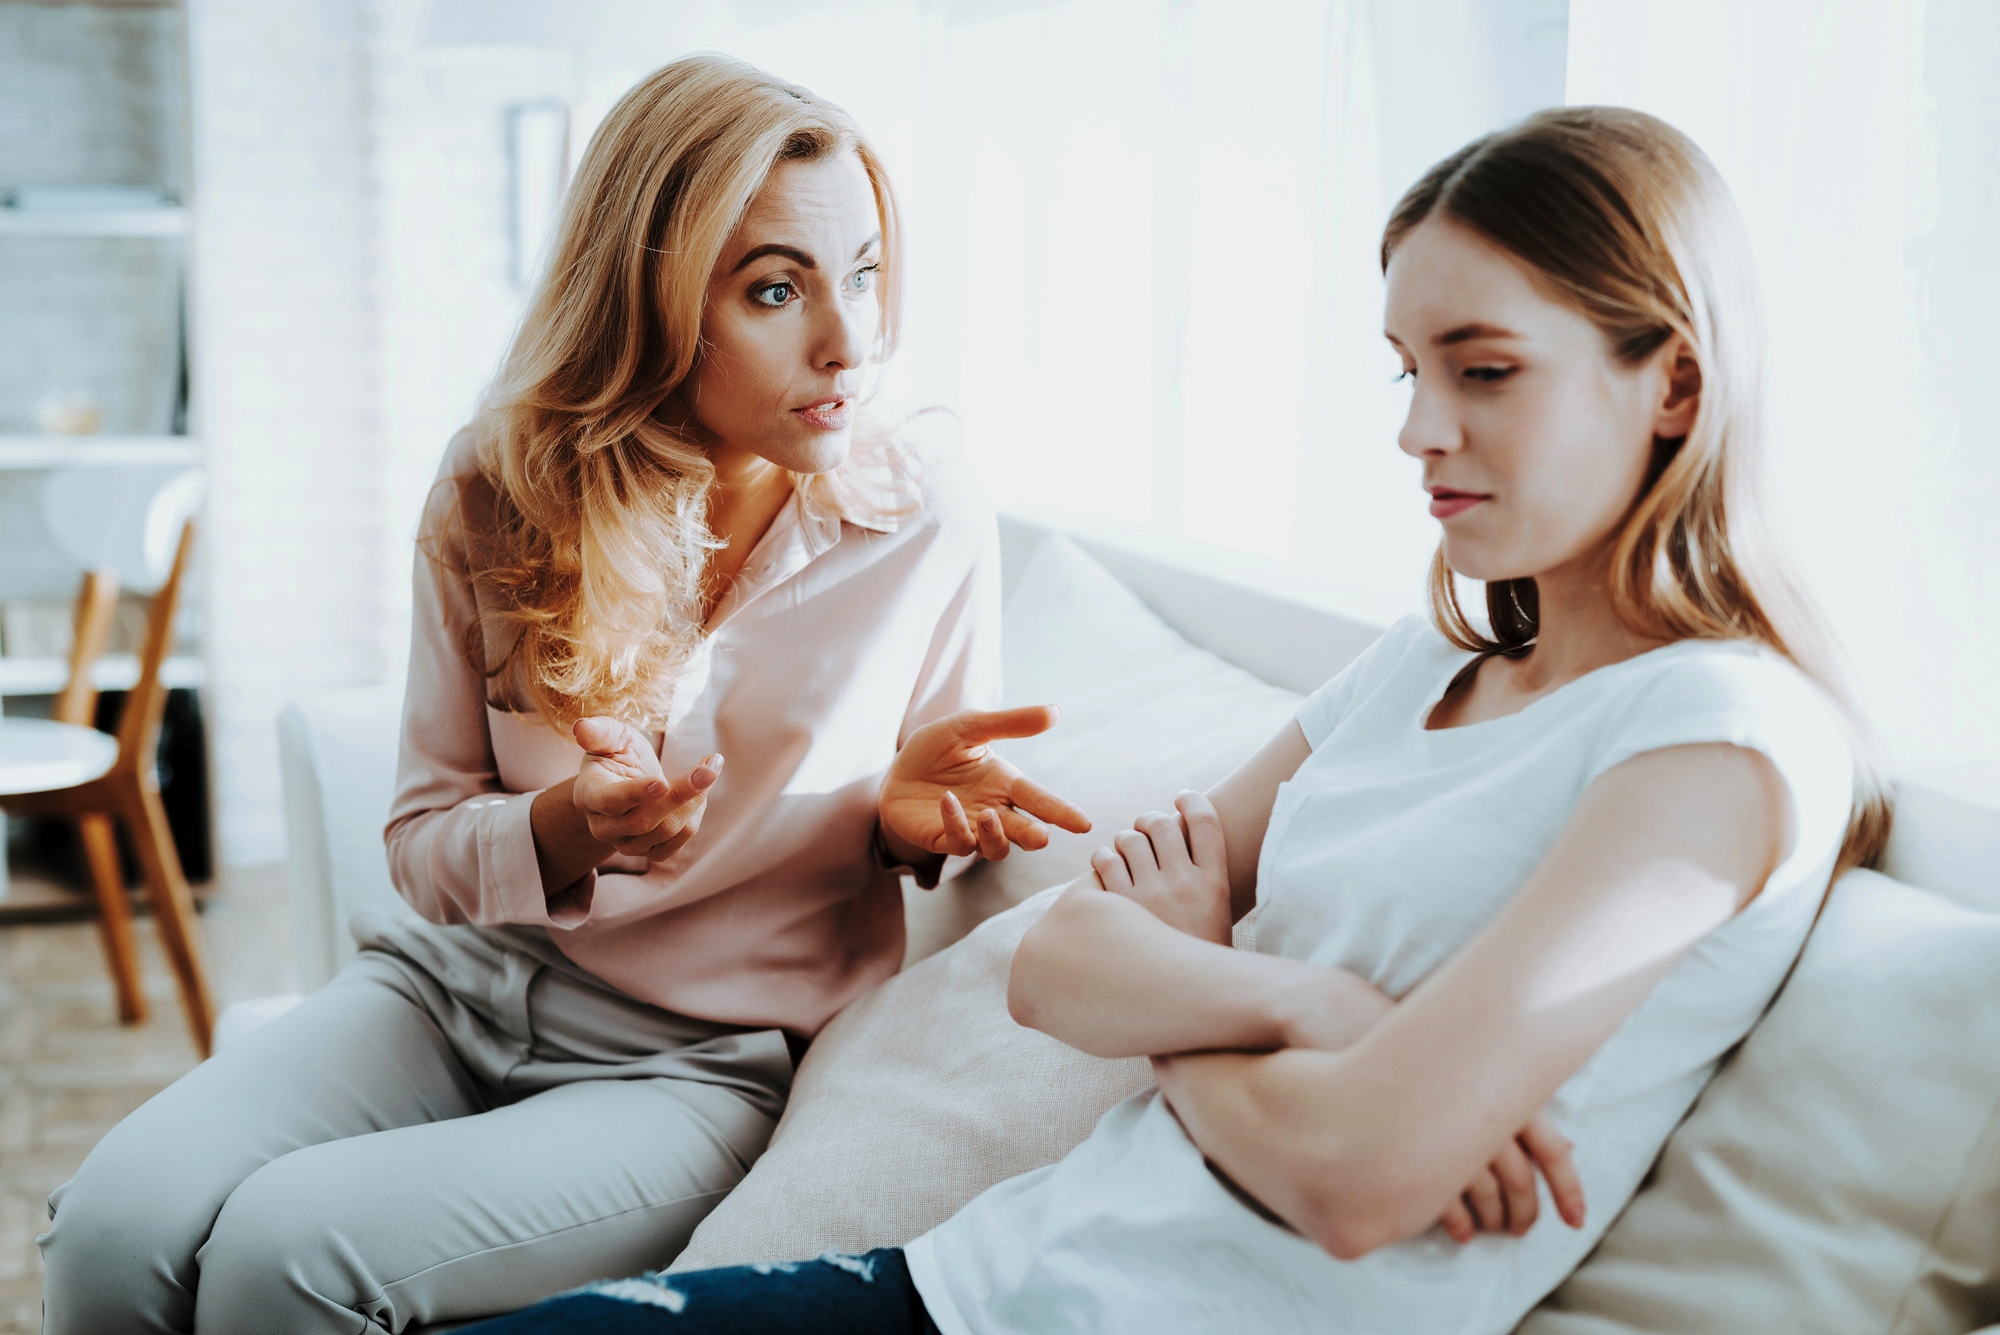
point(461, 1123)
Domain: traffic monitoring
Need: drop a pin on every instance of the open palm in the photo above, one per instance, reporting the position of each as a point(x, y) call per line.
point(948, 793)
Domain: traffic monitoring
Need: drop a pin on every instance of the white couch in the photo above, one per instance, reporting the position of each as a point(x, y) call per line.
point(1284, 628)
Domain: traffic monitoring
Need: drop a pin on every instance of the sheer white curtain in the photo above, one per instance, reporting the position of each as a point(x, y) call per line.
point(1145, 234)
point(1862, 141)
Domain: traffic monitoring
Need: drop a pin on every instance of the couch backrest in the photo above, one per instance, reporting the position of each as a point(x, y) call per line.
point(338, 748)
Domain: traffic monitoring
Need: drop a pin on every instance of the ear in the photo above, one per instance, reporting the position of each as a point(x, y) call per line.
point(1682, 400)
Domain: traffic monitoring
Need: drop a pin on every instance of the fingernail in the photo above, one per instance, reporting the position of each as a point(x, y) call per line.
point(655, 788)
point(701, 779)
point(952, 799)
point(714, 762)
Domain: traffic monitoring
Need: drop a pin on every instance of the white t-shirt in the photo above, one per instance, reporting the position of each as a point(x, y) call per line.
point(1388, 850)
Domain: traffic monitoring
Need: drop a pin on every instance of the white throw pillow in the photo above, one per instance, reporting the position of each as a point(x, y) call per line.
point(916, 1098)
point(1842, 1172)
point(1145, 714)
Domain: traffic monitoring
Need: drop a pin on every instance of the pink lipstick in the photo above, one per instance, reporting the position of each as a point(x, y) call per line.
point(829, 414)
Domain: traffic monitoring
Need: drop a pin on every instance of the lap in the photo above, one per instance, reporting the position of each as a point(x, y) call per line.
point(869, 1294)
point(487, 1212)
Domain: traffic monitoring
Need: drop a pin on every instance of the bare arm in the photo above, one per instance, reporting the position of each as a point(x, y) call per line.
point(1106, 976)
point(1134, 974)
point(1370, 1145)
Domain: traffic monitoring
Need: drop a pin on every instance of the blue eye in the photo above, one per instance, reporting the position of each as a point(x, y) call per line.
point(861, 280)
point(773, 294)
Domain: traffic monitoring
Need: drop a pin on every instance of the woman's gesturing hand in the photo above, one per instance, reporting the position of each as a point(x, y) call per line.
point(948, 793)
point(625, 796)
point(1177, 866)
point(1503, 1199)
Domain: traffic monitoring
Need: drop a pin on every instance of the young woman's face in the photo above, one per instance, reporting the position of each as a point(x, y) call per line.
point(1534, 438)
point(791, 317)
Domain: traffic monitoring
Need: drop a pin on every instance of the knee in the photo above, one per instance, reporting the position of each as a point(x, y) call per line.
point(120, 1252)
point(274, 1262)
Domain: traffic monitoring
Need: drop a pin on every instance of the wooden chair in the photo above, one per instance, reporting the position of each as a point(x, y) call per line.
point(130, 792)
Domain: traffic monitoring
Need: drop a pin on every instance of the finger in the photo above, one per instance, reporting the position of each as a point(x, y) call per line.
point(606, 736)
point(1029, 834)
point(1137, 851)
point(993, 845)
point(1206, 844)
point(1516, 1176)
point(660, 852)
point(1163, 832)
point(1112, 871)
point(957, 838)
point(1488, 1211)
point(1036, 800)
point(694, 783)
point(1457, 1222)
point(615, 798)
point(976, 726)
point(1550, 1150)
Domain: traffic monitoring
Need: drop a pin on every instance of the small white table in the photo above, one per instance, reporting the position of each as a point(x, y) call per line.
point(37, 756)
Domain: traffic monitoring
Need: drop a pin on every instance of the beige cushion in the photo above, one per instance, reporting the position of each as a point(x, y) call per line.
point(1842, 1173)
point(916, 1098)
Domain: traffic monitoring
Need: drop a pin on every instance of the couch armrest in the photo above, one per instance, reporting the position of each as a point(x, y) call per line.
point(337, 756)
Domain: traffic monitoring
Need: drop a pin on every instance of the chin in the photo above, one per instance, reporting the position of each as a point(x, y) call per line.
point(822, 453)
point(1470, 560)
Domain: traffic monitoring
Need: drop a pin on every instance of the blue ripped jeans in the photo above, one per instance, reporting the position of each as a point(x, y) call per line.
point(870, 1294)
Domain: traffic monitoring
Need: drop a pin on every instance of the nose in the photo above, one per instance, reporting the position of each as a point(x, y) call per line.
point(1431, 428)
point(844, 334)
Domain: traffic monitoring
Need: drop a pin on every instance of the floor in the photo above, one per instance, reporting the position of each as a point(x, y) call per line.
point(69, 1071)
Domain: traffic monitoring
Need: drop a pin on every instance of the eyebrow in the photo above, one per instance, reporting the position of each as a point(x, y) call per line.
point(1465, 333)
point(793, 253)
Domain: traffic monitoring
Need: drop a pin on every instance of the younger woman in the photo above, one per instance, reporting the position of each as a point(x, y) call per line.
point(1521, 885)
point(669, 537)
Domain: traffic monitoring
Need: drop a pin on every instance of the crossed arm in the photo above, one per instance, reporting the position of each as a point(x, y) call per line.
point(1361, 1120)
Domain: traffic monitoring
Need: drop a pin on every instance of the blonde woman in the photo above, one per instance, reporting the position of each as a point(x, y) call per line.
point(1522, 885)
point(671, 539)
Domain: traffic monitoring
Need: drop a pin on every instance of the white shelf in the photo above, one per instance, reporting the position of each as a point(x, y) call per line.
point(75, 451)
point(114, 672)
point(166, 220)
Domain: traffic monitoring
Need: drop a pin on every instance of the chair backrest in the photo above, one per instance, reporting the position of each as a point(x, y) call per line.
point(139, 725)
point(96, 605)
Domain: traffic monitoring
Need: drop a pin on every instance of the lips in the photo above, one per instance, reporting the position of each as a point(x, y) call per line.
point(1446, 502)
point(828, 414)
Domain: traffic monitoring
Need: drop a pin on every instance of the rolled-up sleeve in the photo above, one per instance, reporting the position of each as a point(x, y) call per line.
point(460, 847)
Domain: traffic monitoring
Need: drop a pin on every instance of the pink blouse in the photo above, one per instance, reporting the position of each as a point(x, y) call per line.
point(839, 638)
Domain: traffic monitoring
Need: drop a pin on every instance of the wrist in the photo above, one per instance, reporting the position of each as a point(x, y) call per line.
point(894, 853)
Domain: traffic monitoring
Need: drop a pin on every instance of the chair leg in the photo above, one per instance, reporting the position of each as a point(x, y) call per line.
point(114, 915)
point(173, 908)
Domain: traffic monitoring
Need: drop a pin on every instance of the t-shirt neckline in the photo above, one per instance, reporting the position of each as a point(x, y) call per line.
point(1457, 664)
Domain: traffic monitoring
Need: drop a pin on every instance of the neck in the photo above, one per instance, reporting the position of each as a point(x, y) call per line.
point(1577, 630)
point(745, 497)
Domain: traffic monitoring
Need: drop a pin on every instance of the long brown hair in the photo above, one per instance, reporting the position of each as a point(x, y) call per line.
point(1626, 218)
point(591, 568)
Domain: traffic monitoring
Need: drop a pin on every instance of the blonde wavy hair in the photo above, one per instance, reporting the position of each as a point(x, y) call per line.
point(1626, 218)
point(592, 568)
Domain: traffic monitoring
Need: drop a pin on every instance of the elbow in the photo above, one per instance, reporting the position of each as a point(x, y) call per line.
point(1024, 981)
point(1352, 1208)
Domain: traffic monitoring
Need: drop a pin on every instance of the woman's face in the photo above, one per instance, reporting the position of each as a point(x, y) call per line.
point(1534, 438)
point(791, 317)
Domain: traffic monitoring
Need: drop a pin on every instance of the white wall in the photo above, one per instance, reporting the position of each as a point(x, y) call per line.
point(284, 260)
point(1862, 141)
